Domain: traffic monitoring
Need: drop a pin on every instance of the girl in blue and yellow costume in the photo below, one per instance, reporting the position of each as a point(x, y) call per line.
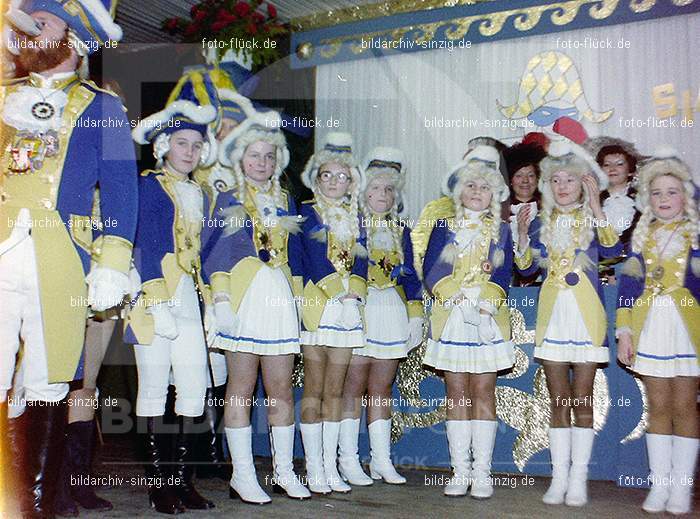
point(164, 323)
point(252, 258)
point(658, 325)
point(467, 268)
point(566, 241)
point(393, 320)
point(335, 276)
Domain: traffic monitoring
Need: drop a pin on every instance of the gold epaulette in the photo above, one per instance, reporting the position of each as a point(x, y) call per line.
point(442, 208)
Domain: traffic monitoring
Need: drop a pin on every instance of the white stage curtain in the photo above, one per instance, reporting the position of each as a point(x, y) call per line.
point(386, 101)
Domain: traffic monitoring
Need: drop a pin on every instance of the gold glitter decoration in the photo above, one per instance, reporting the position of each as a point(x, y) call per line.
point(530, 414)
point(527, 413)
point(641, 427)
point(375, 10)
point(412, 373)
point(298, 372)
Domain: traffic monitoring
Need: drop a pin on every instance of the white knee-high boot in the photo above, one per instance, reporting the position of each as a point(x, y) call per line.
point(483, 439)
point(348, 458)
point(560, 452)
point(659, 448)
point(380, 466)
point(683, 458)
point(330, 458)
point(312, 438)
point(581, 448)
point(244, 482)
point(459, 438)
point(282, 446)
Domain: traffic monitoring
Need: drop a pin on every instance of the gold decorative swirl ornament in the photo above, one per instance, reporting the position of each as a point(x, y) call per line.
point(490, 24)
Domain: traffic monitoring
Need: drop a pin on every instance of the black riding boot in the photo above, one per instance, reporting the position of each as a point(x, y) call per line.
point(184, 469)
point(208, 446)
point(46, 424)
point(161, 493)
point(81, 442)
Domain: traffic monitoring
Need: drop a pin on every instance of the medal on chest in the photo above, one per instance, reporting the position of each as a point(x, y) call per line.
point(28, 150)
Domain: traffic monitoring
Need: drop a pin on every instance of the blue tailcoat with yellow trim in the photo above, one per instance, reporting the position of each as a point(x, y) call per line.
point(636, 294)
point(588, 290)
point(230, 260)
point(439, 279)
point(321, 279)
point(95, 148)
point(163, 252)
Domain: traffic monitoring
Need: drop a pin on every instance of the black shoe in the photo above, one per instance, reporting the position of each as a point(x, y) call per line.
point(80, 443)
point(161, 494)
point(42, 459)
point(185, 490)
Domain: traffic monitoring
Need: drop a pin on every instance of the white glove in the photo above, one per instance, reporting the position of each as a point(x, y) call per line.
point(415, 332)
point(106, 288)
point(226, 319)
point(210, 324)
point(486, 331)
point(350, 315)
point(134, 283)
point(470, 312)
point(163, 321)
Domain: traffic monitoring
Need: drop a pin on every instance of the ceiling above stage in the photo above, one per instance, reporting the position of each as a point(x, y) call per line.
point(142, 24)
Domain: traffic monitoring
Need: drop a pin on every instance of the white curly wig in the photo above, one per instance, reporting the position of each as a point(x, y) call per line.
point(477, 170)
point(159, 127)
point(336, 147)
point(385, 162)
point(260, 126)
point(664, 162)
point(567, 156)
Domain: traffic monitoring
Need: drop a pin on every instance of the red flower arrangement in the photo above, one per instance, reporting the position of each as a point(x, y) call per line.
point(247, 26)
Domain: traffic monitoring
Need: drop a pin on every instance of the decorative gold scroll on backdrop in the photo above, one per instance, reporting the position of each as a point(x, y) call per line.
point(490, 24)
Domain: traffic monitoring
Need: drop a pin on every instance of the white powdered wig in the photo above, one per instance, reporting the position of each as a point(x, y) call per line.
point(665, 161)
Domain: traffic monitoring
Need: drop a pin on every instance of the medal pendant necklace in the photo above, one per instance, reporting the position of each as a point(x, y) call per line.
point(43, 110)
point(658, 271)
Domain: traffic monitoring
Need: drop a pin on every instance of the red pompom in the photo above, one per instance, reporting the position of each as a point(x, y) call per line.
point(537, 138)
point(571, 129)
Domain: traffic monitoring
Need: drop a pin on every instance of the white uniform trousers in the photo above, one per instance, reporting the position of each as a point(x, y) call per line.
point(186, 355)
point(20, 318)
